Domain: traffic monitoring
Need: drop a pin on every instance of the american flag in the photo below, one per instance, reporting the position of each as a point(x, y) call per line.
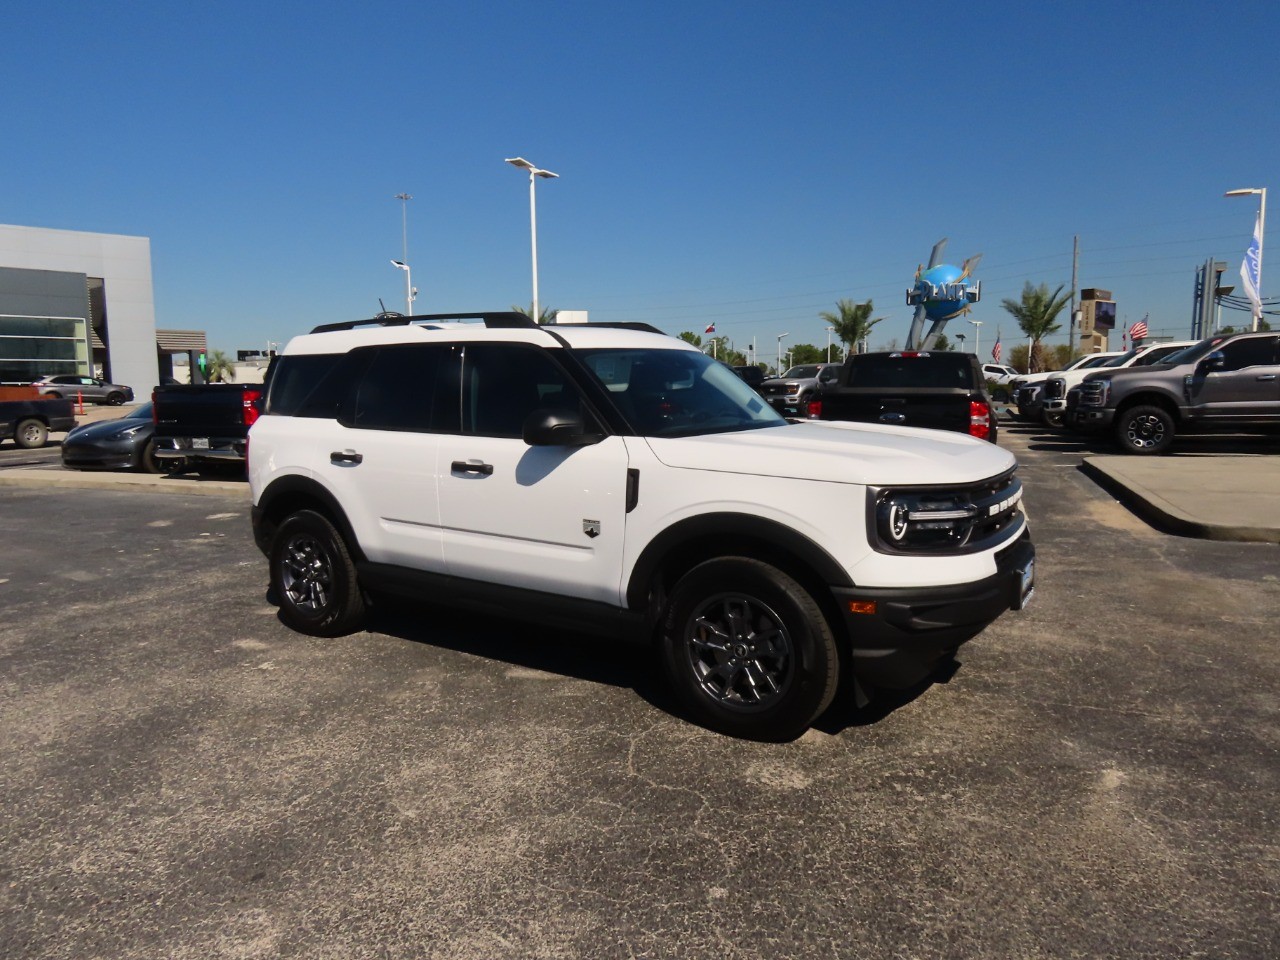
point(995, 351)
point(1138, 331)
point(711, 328)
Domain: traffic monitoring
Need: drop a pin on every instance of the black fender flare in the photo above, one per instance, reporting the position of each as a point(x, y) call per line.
point(733, 526)
point(269, 509)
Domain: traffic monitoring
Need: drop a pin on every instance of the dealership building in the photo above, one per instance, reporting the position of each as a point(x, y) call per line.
point(82, 303)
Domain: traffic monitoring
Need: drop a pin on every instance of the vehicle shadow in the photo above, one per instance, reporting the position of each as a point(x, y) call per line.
point(610, 661)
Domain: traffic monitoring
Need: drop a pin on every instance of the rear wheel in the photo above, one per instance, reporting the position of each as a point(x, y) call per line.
point(748, 651)
point(30, 434)
point(314, 578)
point(149, 463)
point(1145, 430)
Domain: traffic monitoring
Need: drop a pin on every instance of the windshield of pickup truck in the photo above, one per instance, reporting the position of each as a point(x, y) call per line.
point(806, 372)
point(678, 393)
point(904, 370)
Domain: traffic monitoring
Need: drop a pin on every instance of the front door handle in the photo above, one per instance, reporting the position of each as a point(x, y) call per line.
point(346, 456)
point(1267, 376)
point(472, 466)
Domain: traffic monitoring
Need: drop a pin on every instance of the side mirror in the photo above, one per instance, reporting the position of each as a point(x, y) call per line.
point(557, 428)
point(1215, 361)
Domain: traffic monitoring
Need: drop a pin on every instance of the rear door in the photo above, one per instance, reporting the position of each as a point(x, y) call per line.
point(541, 518)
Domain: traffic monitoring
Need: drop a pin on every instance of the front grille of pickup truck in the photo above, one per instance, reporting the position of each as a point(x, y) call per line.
point(1093, 393)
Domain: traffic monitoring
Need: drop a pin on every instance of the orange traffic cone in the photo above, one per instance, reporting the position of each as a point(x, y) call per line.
point(80, 403)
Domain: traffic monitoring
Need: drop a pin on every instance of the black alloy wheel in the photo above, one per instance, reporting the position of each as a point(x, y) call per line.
point(748, 651)
point(115, 398)
point(314, 578)
point(1145, 430)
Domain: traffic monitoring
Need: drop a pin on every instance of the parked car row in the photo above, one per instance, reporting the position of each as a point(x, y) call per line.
point(1150, 395)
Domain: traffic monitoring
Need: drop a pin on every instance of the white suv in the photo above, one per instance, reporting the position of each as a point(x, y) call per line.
point(613, 479)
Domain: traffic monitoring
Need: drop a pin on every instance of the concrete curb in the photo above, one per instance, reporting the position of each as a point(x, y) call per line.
point(1114, 476)
point(67, 479)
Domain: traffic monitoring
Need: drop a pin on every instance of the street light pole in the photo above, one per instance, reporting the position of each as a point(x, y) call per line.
point(977, 338)
point(534, 172)
point(830, 330)
point(404, 199)
point(410, 294)
point(780, 336)
point(1262, 233)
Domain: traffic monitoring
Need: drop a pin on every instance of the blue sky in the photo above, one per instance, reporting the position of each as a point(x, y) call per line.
point(743, 163)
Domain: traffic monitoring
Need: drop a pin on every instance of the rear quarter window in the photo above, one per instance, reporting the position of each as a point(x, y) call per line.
point(309, 385)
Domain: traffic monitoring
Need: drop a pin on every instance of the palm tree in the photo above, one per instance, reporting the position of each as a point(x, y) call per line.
point(852, 322)
point(220, 368)
point(1037, 314)
point(544, 315)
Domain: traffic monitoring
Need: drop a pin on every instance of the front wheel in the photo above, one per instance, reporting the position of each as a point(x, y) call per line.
point(30, 434)
point(115, 398)
point(748, 651)
point(314, 577)
point(1145, 430)
point(1053, 418)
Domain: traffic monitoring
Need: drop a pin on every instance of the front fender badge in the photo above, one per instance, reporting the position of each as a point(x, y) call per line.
point(591, 528)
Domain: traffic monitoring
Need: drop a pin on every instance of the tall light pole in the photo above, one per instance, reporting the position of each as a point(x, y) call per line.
point(534, 173)
point(780, 336)
point(404, 199)
point(1262, 232)
point(830, 330)
point(410, 293)
point(977, 337)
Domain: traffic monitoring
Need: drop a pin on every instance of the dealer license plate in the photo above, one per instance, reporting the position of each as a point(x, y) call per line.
point(199, 443)
point(1026, 584)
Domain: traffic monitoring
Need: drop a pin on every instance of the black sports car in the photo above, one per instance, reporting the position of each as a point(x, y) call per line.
point(121, 443)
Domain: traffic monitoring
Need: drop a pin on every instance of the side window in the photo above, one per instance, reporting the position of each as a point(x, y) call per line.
point(398, 388)
point(828, 374)
point(1249, 353)
point(503, 383)
point(305, 382)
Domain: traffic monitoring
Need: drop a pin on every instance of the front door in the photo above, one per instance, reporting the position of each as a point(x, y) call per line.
point(543, 518)
point(1248, 384)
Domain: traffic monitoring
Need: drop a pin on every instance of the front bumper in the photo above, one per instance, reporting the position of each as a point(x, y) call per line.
point(911, 629)
point(1089, 418)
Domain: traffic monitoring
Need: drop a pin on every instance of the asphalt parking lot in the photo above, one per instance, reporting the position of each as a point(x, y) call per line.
point(184, 777)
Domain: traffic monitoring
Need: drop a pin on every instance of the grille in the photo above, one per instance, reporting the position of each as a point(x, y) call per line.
point(1091, 392)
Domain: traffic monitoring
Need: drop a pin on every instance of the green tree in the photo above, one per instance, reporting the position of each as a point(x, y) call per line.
point(544, 315)
point(219, 367)
point(942, 344)
point(1037, 315)
point(851, 322)
point(807, 353)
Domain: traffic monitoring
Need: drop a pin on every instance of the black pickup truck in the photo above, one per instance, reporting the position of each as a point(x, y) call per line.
point(204, 425)
point(29, 422)
point(937, 390)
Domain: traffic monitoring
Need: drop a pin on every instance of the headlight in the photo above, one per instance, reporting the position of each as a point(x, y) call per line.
point(938, 520)
point(128, 432)
point(925, 521)
point(1094, 393)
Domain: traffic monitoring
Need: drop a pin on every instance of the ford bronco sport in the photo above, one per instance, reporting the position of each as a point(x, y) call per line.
point(613, 479)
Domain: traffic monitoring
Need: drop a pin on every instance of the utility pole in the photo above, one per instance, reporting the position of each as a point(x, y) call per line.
point(1071, 328)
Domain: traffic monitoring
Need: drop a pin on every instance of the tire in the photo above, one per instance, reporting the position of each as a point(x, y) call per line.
point(115, 398)
point(1145, 430)
point(52, 395)
point(314, 578)
point(776, 667)
point(148, 463)
point(1053, 418)
point(30, 434)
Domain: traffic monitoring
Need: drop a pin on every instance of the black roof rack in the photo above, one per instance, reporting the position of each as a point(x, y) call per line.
point(496, 320)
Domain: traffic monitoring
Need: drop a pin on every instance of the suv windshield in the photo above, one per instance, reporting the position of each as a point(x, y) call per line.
point(678, 393)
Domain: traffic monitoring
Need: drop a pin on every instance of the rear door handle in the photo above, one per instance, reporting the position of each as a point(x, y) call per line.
point(1267, 376)
point(346, 456)
point(472, 466)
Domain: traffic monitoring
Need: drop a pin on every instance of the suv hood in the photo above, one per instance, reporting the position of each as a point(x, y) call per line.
point(837, 452)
